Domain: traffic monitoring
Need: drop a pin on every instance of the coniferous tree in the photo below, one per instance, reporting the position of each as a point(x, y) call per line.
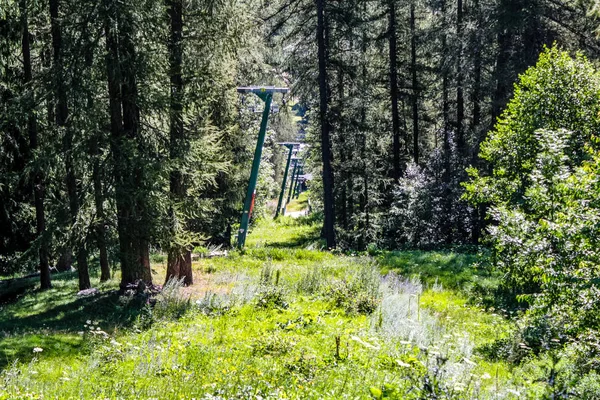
point(179, 264)
point(326, 155)
point(32, 130)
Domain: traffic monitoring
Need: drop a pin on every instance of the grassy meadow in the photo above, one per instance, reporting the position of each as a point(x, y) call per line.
point(281, 319)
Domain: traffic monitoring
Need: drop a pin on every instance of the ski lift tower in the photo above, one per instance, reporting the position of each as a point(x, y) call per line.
point(291, 149)
point(265, 93)
point(296, 164)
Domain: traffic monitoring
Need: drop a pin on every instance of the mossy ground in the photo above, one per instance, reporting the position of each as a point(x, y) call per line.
point(281, 319)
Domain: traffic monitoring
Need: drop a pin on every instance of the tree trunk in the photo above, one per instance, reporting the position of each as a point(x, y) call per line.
point(138, 266)
point(478, 211)
point(460, 111)
point(363, 148)
point(326, 155)
point(113, 74)
point(446, 220)
point(38, 176)
point(62, 115)
point(394, 89)
point(121, 90)
point(415, 89)
point(502, 74)
point(98, 174)
point(343, 175)
point(179, 264)
point(100, 214)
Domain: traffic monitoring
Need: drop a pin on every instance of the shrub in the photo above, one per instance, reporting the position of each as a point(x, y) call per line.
point(543, 193)
point(272, 345)
point(427, 211)
point(311, 281)
point(158, 258)
point(171, 303)
point(271, 296)
point(358, 293)
point(558, 93)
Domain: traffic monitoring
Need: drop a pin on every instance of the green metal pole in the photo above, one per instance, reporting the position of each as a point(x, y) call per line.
point(283, 184)
point(291, 187)
point(300, 172)
point(267, 97)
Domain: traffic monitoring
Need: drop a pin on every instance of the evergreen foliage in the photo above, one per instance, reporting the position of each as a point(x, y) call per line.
point(138, 140)
point(419, 82)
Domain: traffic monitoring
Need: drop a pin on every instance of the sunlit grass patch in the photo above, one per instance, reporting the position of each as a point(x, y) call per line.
point(286, 232)
point(299, 204)
point(450, 269)
point(279, 319)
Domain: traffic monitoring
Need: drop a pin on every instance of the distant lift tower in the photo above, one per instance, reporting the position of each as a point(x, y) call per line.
point(295, 163)
point(300, 173)
point(291, 149)
point(266, 94)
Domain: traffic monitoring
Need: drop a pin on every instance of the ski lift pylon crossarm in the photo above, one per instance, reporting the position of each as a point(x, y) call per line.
point(262, 89)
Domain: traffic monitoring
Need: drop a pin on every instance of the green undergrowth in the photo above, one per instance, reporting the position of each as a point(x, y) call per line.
point(287, 233)
point(299, 204)
point(51, 319)
point(450, 269)
point(272, 321)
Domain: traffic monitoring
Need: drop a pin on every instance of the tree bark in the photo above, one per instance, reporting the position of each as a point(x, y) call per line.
point(124, 120)
point(397, 172)
point(62, 116)
point(38, 176)
point(139, 266)
point(446, 221)
point(478, 210)
point(179, 264)
point(100, 214)
point(502, 74)
point(113, 74)
point(460, 110)
point(326, 155)
point(415, 88)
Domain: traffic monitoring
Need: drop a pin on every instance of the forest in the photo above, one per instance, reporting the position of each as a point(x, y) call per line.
point(422, 217)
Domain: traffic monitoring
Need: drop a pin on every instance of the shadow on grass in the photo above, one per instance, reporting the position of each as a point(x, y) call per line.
point(298, 204)
point(450, 269)
point(471, 274)
point(302, 240)
point(288, 232)
point(52, 319)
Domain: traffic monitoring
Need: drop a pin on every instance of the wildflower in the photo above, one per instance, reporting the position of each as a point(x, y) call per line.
point(37, 349)
point(466, 360)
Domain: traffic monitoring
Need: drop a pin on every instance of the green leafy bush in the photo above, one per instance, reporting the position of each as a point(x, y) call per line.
point(559, 92)
point(358, 293)
point(543, 192)
point(271, 296)
point(171, 302)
